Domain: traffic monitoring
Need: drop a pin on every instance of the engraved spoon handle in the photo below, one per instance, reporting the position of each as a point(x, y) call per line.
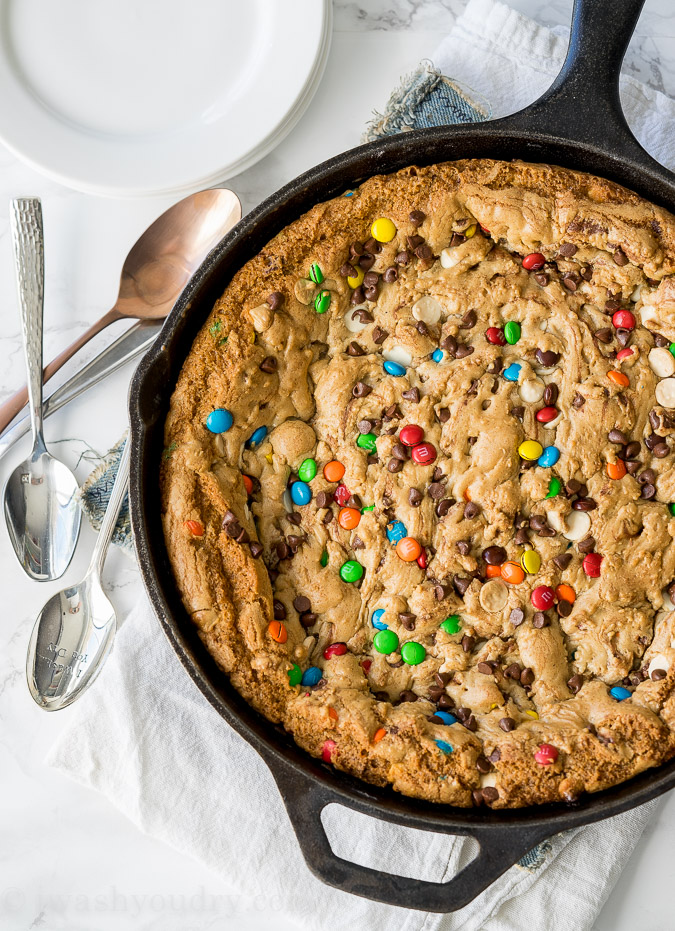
point(27, 238)
point(112, 511)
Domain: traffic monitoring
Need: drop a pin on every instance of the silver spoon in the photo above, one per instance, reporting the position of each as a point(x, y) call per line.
point(41, 506)
point(74, 632)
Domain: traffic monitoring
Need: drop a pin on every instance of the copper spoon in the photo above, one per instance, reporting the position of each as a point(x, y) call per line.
point(156, 270)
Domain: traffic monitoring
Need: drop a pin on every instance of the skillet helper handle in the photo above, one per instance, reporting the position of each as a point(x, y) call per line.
point(500, 847)
point(583, 102)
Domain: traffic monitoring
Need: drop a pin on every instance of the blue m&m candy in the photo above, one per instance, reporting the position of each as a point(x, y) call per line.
point(438, 355)
point(257, 437)
point(393, 368)
point(219, 421)
point(444, 747)
point(376, 619)
point(619, 692)
point(512, 372)
point(549, 457)
point(445, 717)
point(311, 676)
point(396, 532)
point(301, 493)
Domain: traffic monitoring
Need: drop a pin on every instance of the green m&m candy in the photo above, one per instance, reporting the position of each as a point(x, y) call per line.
point(315, 273)
point(322, 302)
point(671, 348)
point(671, 508)
point(324, 559)
point(307, 470)
point(294, 674)
point(385, 641)
point(413, 653)
point(554, 487)
point(367, 441)
point(351, 571)
point(452, 624)
point(511, 332)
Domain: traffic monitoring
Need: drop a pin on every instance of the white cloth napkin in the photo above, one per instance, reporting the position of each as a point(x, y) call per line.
point(147, 739)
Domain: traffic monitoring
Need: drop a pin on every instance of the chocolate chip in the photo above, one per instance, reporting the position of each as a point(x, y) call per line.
point(604, 335)
point(457, 240)
point(366, 261)
point(658, 674)
point(633, 467)
point(278, 610)
point(647, 492)
point(661, 450)
point(294, 518)
point(269, 365)
point(567, 249)
point(485, 669)
point(468, 320)
point(354, 501)
point(546, 357)
point(647, 477)
point(483, 765)
point(372, 292)
point(616, 436)
point(402, 258)
point(620, 257)
point(522, 537)
point(414, 241)
point(443, 506)
point(363, 315)
point(415, 497)
point(541, 278)
point(527, 676)
point(490, 794)
point(539, 620)
point(416, 217)
point(390, 274)
point(348, 271)
point(517, 616)
point(562, 561)
point(471, 510)
point(424, 252)
point(355, 350)
point(537, 522)
point(255, 549)
point(443, 415)
point(324, 499)
point(463, 351)
point(370, 279)
point(436, 490)
point(632, 450)
point(372, 246)
point(661, 341)
point(356, 249)
point(587, 545)
point(464, 547)
point(233, 529)
point(394, 465)
point(308, 619)
point(275, 300)
point(449, 343)
point(282, 550)
point(412, 394)
point(301, 603)
point(408, 620)
point(441, 591)
point(468, 643)
point(422, 328)
point(512, 671)
point(578, 401)
point(400, 451)
point(575, 683)
point(564, 608)
point(365, 426)
point(570, 281)
point(361, 390)
point(358, 296)
point(518, 412)
point(623, 337)
point(507, 724)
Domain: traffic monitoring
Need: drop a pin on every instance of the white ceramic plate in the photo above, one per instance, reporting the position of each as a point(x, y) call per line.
point(131, 97)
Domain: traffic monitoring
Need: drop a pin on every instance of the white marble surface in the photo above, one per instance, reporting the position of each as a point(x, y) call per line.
point(68, 860)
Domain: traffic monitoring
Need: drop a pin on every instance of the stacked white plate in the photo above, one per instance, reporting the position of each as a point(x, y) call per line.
point(131, 97)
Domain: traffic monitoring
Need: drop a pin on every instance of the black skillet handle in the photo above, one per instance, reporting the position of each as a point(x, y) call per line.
point(583, 102)
point(500, 847)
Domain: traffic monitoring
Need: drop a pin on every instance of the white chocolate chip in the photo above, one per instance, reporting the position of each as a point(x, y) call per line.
point(648, 314)
point(635, 296)
point(450, 257)
point(553, 423)
point(493, 596)
point(555, 520)
point(261, 318)
point(661, 362)
point(305, 290)
point(398, 354)
point(665, 392)
point(352, 323)
point(427, 309)
point(667, 601)
point(577, 525)
point(532, 390)
point(287, 501)
point(489, 779)
point(659, 662)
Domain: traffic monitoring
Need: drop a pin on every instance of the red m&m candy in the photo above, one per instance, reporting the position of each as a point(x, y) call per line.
point(542, 597)
point(327, 750)
point(546, 414)
point(335, 649)
point(411, 435)
point(546, 754)
point(623, 320)
point(591, 565)
point(534, 261)
point(423, 453)
point(624, 354)
point(422, 559)
point(342, 495)
point(495, 336)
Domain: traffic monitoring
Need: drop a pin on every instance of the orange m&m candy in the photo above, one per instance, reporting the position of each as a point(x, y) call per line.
point(493, 572)
point(512, 573)
point(408, 549)
point(277, 631)
point(333, 471)
point(195, 528)
point(616, 470)
point(348, 518)
point(332, 714)
point(619, 378)
point(566, 593)
point(248, 484)
point(379, 734)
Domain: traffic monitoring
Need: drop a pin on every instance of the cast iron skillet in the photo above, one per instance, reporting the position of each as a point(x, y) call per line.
point(579, 124)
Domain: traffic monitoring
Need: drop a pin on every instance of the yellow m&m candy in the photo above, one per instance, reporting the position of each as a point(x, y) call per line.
point(530, 561)
point(530, 449)
point(383, 230)
point(357, 280)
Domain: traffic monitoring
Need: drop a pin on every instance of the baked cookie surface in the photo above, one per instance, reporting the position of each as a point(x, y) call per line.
point(418, 478)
